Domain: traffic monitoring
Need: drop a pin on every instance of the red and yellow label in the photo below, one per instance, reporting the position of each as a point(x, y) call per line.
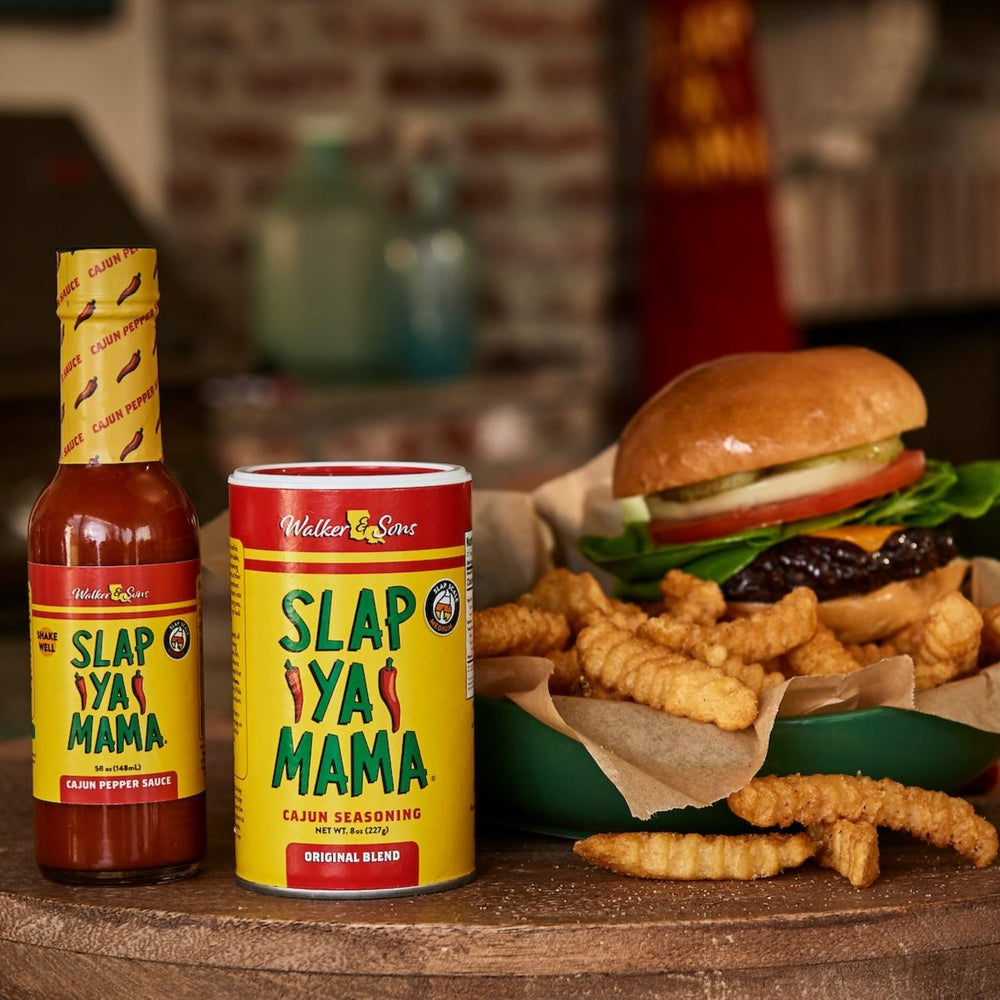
point(109, 386)
point(116, 683)
point(352, 689)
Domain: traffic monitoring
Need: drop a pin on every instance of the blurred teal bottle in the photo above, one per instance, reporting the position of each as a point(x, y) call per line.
point(317, 273)
point(432, 265)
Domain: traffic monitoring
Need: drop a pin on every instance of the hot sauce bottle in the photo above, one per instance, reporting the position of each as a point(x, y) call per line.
point(114, 592)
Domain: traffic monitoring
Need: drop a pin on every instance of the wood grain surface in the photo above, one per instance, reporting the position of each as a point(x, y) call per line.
point(536, 922)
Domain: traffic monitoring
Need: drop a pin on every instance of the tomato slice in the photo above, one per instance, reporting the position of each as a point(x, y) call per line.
point(905, 470)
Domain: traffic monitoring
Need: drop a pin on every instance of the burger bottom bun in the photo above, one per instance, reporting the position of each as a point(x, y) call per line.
point(878, 614)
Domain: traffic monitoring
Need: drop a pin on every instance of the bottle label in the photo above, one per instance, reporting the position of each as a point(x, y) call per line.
point(108, 377)
point(116, 683)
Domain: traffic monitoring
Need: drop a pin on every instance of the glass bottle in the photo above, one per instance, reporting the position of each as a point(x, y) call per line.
point(318, 309)
point(114, 591)
point(431, 259)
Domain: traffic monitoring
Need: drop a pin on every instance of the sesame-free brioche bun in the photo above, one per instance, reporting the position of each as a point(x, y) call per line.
point(752, 411)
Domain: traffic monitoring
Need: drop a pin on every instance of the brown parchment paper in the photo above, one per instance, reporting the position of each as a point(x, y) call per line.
point(656, 761)
point(660, 762)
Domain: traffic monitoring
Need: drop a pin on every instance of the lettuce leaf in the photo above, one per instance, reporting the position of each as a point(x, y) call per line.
point(943, 492)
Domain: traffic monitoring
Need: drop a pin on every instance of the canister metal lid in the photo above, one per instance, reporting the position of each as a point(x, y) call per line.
point(349, 475)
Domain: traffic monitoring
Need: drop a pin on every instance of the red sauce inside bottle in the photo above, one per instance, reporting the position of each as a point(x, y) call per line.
point(116, 515)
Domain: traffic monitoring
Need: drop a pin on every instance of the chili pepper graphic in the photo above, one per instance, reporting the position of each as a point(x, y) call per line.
point(88, 390)
point(130, 366)
point(387, 689)
point(81, 686)
point(132, 445)
point(294, 681)
point(139, 692)
point(85, 313)
point(131, 288)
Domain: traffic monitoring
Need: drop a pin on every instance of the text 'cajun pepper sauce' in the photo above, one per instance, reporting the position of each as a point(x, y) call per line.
point(352, 678)
point(114, 579)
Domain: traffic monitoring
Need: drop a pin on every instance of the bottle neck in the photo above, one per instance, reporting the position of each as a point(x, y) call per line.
point(108, 371)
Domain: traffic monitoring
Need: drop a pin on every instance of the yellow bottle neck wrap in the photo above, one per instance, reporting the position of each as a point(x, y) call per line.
point(108, 378)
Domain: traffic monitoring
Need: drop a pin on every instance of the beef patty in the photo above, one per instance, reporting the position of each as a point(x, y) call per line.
point(836, 568)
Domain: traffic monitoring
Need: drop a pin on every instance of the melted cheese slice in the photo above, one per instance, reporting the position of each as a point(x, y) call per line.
point(870, 537)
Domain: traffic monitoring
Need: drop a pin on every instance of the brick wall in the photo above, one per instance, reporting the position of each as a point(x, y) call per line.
point(519, 89)
point(885, 118)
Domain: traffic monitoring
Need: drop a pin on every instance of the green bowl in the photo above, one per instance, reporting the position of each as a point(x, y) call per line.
point(533, 778)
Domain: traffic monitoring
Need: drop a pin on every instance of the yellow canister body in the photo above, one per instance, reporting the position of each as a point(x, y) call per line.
point(351, 595)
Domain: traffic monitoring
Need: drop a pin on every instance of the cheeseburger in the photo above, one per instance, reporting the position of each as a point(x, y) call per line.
point(769, 471)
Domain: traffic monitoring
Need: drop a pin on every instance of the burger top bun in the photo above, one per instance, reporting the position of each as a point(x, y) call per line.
point(753, 411)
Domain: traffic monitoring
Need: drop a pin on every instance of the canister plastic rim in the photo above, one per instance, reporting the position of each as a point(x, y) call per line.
point(348, 475)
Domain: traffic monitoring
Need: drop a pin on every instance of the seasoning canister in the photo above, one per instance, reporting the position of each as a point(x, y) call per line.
point(351, 593)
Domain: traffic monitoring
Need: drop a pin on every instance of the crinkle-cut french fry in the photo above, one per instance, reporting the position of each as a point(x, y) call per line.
point(940, 819)
point(513, 630)
point(755, 676)
point(944, 645)
point(848, 848)
point(695, 855)
point(689, 598)
point(626, 615)
point(762, 636)
point(867, 653)
point(577, 596)
point(822, 654)
point(671, 682)
point(948, 646)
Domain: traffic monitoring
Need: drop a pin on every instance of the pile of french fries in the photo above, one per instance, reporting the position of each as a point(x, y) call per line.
point(694, 656)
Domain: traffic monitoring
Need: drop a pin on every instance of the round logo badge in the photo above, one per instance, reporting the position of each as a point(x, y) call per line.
point(442, 607)
point(177, 639)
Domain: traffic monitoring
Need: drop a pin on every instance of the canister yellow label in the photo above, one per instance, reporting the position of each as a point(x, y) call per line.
point(352, 694)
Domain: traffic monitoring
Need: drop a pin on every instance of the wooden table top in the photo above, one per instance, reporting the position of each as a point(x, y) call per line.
point(536, 922)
